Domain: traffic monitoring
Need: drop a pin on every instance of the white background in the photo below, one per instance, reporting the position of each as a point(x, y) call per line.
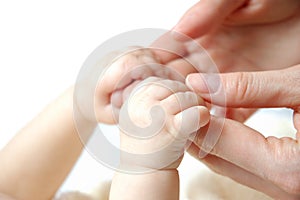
point(43, 45)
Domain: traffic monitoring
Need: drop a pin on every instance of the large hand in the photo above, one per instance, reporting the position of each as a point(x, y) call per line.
point(252, 47)
point(270, 165)
point(269, 37)
point(239, 48)
point(207, 15)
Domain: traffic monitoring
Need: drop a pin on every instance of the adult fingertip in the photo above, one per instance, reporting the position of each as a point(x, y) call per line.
point(196, 83)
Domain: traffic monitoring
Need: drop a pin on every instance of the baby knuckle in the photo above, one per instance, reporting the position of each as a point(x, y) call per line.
point(153, 80)
point(191, 96)
point(188, 97)
point(168, 82)
point(173, 100)
point(149, 83)
point(175, 85)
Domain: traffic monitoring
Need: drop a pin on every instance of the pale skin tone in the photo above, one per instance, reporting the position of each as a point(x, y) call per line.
point(240, 39)
point(238, 57)
point(161, 183)
point(45, 150)
point(37, 160)
point(240, 47)
point(271, 164)
point(156, 177)
point(130, 67)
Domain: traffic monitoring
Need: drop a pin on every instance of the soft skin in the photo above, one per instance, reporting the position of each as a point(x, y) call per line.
point(37, 160)
point(270, 165)
point(251, 47)
point(124, 70)
point(240, 40)
point(154, 174)
point(207, 15)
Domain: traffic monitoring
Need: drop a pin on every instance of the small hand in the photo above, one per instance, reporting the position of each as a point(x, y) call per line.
point(101, 91)
point(156, 123)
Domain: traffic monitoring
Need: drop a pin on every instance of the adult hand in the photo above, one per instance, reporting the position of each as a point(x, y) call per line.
point(270, 165)
point(237, 48)
point(207, 15)
point(252, 47)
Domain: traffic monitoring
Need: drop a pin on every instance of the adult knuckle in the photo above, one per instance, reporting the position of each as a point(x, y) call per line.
point(292, 86)
point(241, 87)
point(291, 184)
point(285, 171)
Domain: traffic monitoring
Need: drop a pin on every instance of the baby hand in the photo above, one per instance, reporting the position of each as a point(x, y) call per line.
point(156, 123)
point(124, 71)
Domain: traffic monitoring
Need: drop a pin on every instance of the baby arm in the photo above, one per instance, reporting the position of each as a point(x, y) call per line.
point(37, 160)
point(156, 123)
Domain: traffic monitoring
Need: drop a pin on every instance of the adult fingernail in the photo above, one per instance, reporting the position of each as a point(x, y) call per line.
point(203, 83)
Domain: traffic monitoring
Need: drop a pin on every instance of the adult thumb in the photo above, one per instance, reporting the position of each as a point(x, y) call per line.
point(204, 16)
point(278, 88)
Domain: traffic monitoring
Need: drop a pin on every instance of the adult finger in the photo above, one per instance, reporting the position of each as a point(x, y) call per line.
point(278, 88)
point(238, 174)
point(296, 121)
point(260, 12)
point(166, 48)
point(204, 16)
point(239, 114)
point(275, 160)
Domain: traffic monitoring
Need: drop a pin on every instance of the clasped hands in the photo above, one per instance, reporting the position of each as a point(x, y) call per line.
point(255, 45)
point(255, 50)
